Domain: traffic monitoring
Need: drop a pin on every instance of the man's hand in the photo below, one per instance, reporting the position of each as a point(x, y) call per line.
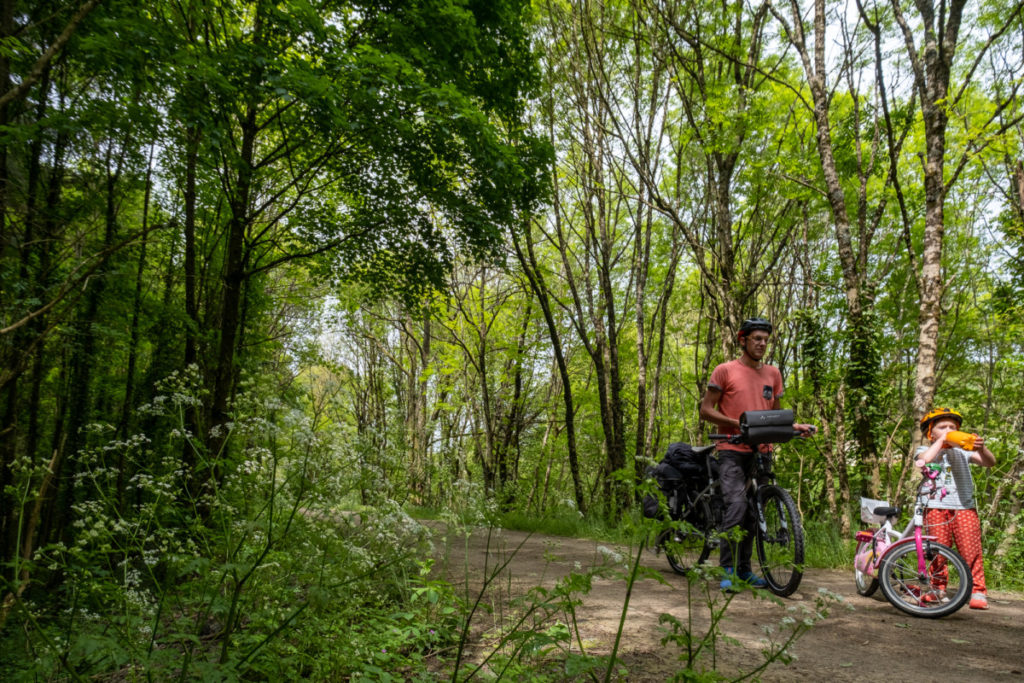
point(804, 430)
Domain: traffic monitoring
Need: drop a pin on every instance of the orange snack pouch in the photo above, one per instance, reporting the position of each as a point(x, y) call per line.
point(961, 439)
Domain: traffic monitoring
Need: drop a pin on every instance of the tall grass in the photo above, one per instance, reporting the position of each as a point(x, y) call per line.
point(825, 547)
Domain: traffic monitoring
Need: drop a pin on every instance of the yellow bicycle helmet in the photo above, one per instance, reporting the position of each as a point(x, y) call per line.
point(939, 414)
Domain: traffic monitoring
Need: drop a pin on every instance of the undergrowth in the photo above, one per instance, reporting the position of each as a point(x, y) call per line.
point(268, 574)
point(825, 547)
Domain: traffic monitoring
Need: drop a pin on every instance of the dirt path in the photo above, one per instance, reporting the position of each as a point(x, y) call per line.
point(871, 641)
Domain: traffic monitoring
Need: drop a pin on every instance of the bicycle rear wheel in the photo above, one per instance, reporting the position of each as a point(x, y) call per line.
point(944, 587)
point(690, 544)
point(685, 549)
point(866, 585)
point(780, 540)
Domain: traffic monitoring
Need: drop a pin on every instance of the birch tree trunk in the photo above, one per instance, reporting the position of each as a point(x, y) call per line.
point(854, 234)
point(932, 66)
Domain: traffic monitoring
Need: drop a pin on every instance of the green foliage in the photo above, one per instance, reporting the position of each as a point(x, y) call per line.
point(262, 587)
point(698, 648)
point(567, 523)
point(824, 545)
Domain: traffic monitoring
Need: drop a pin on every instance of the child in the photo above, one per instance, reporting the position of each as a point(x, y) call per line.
point(951, 515)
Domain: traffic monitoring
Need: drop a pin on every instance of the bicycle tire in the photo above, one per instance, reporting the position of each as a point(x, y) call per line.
point(780, 541)
point(690, 545)
point(924, 596)
point(866, 585)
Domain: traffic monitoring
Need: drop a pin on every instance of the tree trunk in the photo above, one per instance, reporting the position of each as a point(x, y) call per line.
point(33, 271)
point(418, 352)
point(191, 297)
point(83, 357)
point(7, 29)
point(133, 328)
point(932, 68)
point(862, 368)
point(231, 301)
point(528, 261)
point(509, 453)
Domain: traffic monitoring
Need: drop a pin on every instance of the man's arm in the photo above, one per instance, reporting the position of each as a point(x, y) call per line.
point(710, 412)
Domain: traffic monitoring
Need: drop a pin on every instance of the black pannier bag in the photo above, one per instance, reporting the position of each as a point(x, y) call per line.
point(668, 479)
point(680, 467)
point(649, 504)
point(683, 459)
point(767, 426)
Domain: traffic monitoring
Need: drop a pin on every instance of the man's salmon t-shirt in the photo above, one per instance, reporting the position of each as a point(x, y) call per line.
point(744, 388)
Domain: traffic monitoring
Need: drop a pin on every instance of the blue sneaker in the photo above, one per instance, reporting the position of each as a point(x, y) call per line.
point(752, 579)
point(726, 584)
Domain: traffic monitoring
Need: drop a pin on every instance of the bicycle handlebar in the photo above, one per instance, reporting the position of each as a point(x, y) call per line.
point(764, 426)
point(739, 438)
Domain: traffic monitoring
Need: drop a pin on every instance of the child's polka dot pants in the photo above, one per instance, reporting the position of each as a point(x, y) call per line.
point(962, 528)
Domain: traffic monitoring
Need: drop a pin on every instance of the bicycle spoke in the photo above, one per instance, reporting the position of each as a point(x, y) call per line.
point(686, 546)
point(942, 589)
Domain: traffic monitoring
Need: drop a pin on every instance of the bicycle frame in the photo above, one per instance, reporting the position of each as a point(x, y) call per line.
point(762, 471)
point(710, 497)
point(885, 539)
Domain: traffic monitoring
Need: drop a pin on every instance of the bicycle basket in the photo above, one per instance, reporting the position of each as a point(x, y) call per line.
point(867, 510)
point(766, 426)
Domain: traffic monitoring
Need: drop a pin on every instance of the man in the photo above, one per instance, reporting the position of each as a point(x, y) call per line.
point(737, 386)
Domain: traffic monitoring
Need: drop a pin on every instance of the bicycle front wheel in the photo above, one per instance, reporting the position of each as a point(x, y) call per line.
point(943, 587)
point(780, 540)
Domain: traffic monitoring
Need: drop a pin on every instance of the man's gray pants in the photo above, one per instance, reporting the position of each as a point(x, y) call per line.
point(734, 470)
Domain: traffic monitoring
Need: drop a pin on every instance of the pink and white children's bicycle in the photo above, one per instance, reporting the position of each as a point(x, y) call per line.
point(917, 574)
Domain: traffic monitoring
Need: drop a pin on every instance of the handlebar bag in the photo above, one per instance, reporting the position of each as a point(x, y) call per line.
point(766, 426)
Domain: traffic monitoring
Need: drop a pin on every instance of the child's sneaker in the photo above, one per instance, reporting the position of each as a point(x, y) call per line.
point(978, 601)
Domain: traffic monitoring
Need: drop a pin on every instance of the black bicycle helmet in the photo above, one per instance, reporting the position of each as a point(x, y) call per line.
point(751, 324)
